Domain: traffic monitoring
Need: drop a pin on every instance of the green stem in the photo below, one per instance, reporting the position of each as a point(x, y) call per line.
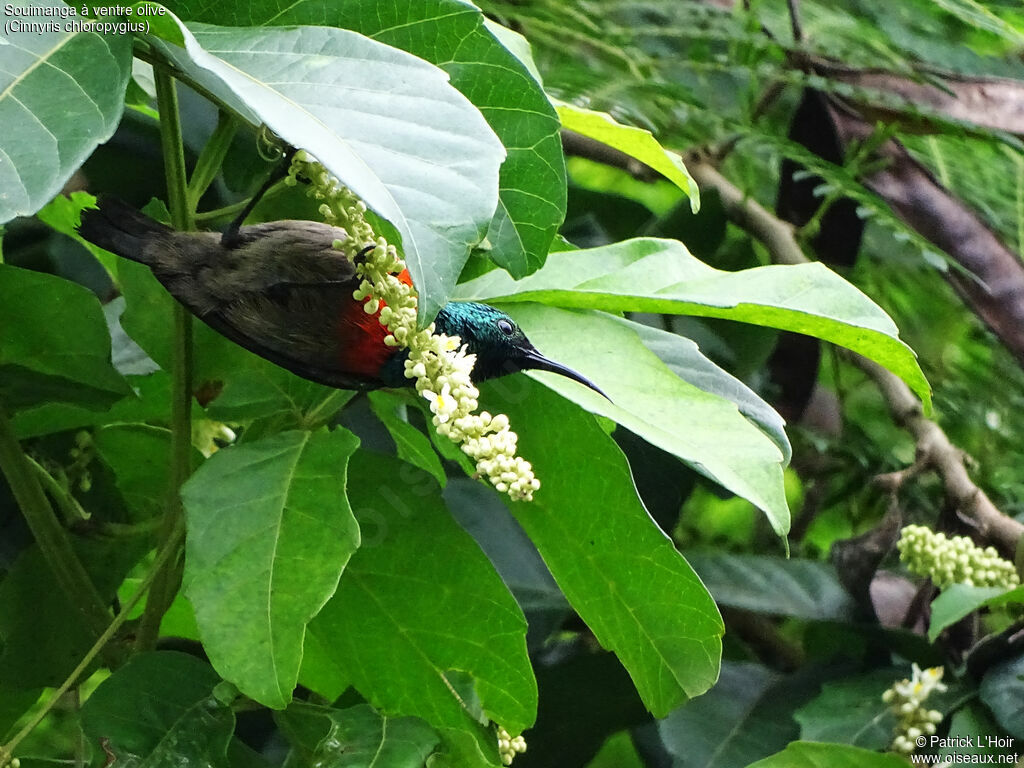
point(168, 578)
point(49, 534)
point(67, 503)
point(162, 558)
point(210, 159)
point(230, 211)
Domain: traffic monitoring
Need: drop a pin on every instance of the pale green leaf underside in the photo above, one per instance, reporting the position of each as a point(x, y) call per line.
point(61, 95)
point(706, 431)
point(653, 275)
point(386, 123)
point(635, 142)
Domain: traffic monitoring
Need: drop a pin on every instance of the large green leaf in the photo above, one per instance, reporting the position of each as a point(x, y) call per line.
point(421, 622)
point(138, 456)
point(1002, 692)
point(480, 512)
point(635, 142)
point(687, 362)
point(706, 431)
point(269, 533)
point(386, 123)
point(412, 445)
point(851, 711)
point(743, 718)
point(773, 585)
point(453, 35)
point(158, 709)
point(618, 570)
point(959, 600)
point(150, 404)
point(54, 345)
point(810, 754)
point(651, 275)
point(61, 95)
point(42, 634)
point(972, 732)
point(357, 737)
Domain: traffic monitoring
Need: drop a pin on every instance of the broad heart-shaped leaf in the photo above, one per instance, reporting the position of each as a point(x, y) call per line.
point(773, 585)
point(618, 570)
point(421, 623)
point(635, 142)
point(158, 710)
point(706, 431)
point(653, 275)
point(357, 737)
point(61, 95)
point(812, 754)
point(55, 345)
point(453, 35)
point(958, 600)
point(384, 122)
point(743, 718)
point(269, 533)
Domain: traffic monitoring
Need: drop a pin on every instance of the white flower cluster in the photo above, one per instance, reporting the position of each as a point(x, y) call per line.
point(906, 700)
point(440, 364)
point(509, 747)
point(956, 560)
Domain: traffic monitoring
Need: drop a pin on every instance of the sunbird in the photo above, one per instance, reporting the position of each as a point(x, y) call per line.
point(282, 291)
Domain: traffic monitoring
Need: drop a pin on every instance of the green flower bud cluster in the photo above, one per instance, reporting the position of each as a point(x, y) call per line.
point(440, 364)
point(509, 747)
point(953, 560)
point(906, 700)
point(81, 456)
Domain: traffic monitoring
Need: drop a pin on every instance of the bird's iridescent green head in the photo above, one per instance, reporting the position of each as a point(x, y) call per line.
point(498, 342)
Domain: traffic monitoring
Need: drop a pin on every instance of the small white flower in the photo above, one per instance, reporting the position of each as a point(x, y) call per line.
point(442, 404)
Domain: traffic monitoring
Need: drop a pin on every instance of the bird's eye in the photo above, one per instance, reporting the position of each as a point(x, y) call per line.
point(506, 327)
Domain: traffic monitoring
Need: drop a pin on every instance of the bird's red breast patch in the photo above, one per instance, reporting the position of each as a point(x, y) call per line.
point(362, 350)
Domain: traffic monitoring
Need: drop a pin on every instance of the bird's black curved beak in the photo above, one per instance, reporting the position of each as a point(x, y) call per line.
point(533, 360)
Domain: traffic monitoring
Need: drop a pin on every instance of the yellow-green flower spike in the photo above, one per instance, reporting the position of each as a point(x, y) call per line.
point(953, 560)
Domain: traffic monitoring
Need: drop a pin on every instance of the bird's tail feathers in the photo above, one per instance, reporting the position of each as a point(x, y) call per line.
point(119, 228)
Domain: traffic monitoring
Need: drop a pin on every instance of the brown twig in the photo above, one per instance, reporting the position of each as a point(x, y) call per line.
point(932, 443)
